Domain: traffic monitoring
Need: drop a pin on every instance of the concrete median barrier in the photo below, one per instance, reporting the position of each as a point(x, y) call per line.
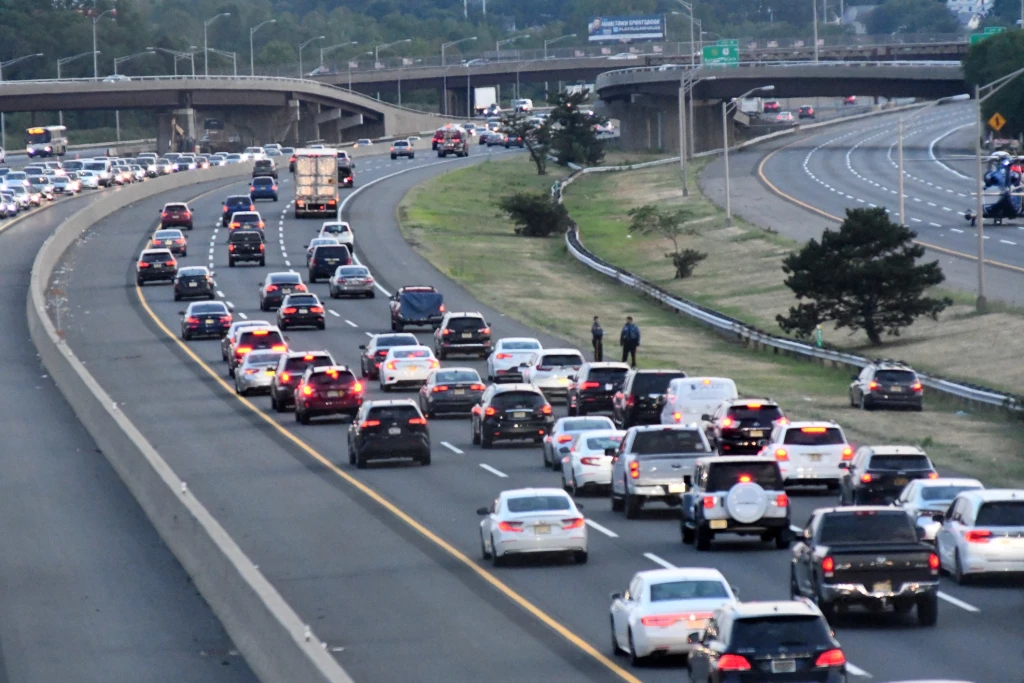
point(273, 639)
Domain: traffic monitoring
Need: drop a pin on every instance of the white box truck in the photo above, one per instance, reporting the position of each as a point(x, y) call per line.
point(483, 98)
point(316, 182)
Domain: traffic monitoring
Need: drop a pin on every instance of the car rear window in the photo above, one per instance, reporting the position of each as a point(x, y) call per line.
point(753, 414)
point(654, 382)
point(193, 272)
point(1001, 513)
point(798, 632)
point(411, 353)
point(688, 590)
point(264, 358)
point(246, 217)
point(209, 308)
point(466, 324)
point(388, 414)
point(332, 378)
point(300, 363)
point(336, 228)
point(723, 476)
point(520, 346)
point(895, 377)
point(353, 271)
point(582, 424)
point(176, 207)
point(663, 441)
point(260, 339)
point(607, 375)
point(332, 251)
point(456, 376)
point(247, 236)
point(933, 493)
point(538, 503)
point(239, 199)
point(263, 181)
point(900, 462)
point(303, 300)
point(560, 360)
point(867, 527)
point(517, 399)
point(814, 436)
point(386, 341)
point(166, 234)
point(601, 443)
point(153, 258)
point(285, 278)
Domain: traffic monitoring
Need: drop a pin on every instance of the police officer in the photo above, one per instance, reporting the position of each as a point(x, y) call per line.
point(629, 338)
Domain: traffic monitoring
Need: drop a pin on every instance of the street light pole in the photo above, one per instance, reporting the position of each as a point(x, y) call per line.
point(252, 55)
point(3, 123)
point(814, 5)
point(497, 45)
point(552, 41)
point(117, 62)
point(444, 71)
point(233, 56)
point(62, 62)
point(686, 87)
point(303, 47)
point(726, 106)
point(378, 48)
point(95, 52)
point(206, 49)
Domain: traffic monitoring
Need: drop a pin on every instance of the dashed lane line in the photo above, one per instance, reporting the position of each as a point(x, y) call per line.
point(494, 471)
point(452, 448)
point(657, 560)
point(958, 602)
point(604, 530)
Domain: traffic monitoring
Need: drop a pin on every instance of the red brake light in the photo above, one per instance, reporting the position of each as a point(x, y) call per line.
point(574, 523)
point(933, 475)
point(417, 420)
point(728, 422)
point(708, 502)
point(231, 247)
point(440, 387)
point(867, 478)
point(933, 562)
point(978, 536)
point(745, 479)
point(357, 387)
point(369, 423)
point(813, 430)
point(307, 390)
point(662, 620)
point(828, 566)
point(225, 209)
point(490, 411)
point(590, 461)
point(872, 386)
point(300, 288)
point(733, 663)
point(252, 188)
point(477, 387)
point(484, 330)
point(446, 331)
point(260, 333)
point(242, 350)
point(917, 387)
point(272, 288)
point(282, 348)
point(143, 264)
point(546, 410)
point(564, 438)
point(847, 453)
point(590, 385)
point(782, 500)
point(634, 469)
point(781, 454)
point(442, 308)
point(316, 309)
point(510, 526)
point(503, 356)
point(754, 406)
point(833, 657)
point(192, 321)
point(289, 311)
point(285, 377)
point(163, 215)
point(263, 247)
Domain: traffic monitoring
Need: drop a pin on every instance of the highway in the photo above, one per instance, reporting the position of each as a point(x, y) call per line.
point(384, 563)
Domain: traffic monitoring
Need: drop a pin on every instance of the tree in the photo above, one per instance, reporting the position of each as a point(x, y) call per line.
point(865, 277)
point(650, 220)
point(573, 138)
point(535, 215)
point(536, 137)
point(993, 58)
point(912, 16)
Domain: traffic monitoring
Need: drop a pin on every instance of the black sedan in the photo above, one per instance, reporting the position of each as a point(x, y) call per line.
point(205, 319)
point(194, 282)
point(451, 390)
point(301, 310)
point(277, 286)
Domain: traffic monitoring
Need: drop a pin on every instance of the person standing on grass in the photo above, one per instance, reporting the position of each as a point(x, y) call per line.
point(629, 338)
point(597, 339)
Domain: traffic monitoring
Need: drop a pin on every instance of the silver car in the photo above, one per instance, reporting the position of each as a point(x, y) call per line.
point(256, 372)
point(10, 202)
point(21, 195)
point(982, 533)
point(352, 281)
point(90, 181)
point(923, 498)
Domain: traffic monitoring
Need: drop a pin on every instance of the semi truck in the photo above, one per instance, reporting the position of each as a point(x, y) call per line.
point(316, 183)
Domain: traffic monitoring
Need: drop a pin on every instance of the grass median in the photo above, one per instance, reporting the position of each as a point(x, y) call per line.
point(536, 281)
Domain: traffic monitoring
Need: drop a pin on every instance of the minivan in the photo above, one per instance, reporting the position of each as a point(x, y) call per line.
point(689, 398)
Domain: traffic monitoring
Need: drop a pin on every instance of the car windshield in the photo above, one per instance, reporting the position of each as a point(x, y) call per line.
point(166, 234)
point(386, 341)
point(509, 400)
point(153, 256)
point(582, 424)
point(895, 377)
point(200, 309)
point(665, 441)
point(723, 476)
point(770, 632)
point(688, 590)
point(268, 358)
point(934, 494)
point(466, 324)
point(654, 382)
point(607, 375)
point(815, 436)
point(389, 414)
point(263, 182)
point(601, 443)
point(456, 376)
point(519, 345)
point(900, 462)
point(538, 503)
point(560, 360)
point(411, 353)
point(866, 526)
point(1001, 513)
point(754, 414)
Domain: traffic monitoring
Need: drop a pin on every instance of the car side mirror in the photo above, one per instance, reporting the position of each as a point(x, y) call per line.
point(735, 590)
point(224, 203)
point(610, 451)
point(616, 596)
point(844, 466)
point(706, 417)
point(579, 506)
point(694, 638)
point(938, 517)
point(213, 273)
point(231, 307)
point(362, 346)
point(524, 365)
point(920, 533)
point(181, 312)
point(483, 511)
point(855, 378)
point(306, 246)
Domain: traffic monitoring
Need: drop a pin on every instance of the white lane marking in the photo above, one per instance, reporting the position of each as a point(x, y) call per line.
point(333, 313)
point(932, 204)
point(917, 199)
point(931, 150)
point(934, 225)
point(597, 527)
point(495, 472)
point(795, 529)
point(1012, 244)
point(351, 324)
point(452, 448)
point(657, 560)
point(243, 316)
point(288, 263)
point(369, 334)
point(956, 230)
point(857, 671)
point(916, 220)
point(946, 208)
point(958, 602)
point(220, 294)
point(230, 305)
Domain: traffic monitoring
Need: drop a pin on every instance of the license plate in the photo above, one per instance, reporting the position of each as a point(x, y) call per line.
point(209, 321)
point(286, 290)
point(896, 390)
point(518, 415)
point(335, 394)
point(608, 387)
point(460, 392)
point(158, 265)
point(814, 457)
point(542, 529)
point(303, 310)
point(271, 372)
point(332, 261)
point(783, 666)
point(395, 431)
point(412, 367)
point(193, 284)
point(677, 488)
point(467, 335)
point(719, 524)
point(900, 481)
point(563, 380)
point(883, 587)
point(757, 433)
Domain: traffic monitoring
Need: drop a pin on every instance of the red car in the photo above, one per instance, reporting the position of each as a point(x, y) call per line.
point(327, 390)
point(176, 215)
point(771, 106)
point(852, 99)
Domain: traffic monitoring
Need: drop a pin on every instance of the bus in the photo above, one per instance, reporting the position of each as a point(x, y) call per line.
point(46, 141)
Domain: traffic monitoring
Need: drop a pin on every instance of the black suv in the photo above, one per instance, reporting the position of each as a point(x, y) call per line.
point(462, 333)
point(247, 245)
point(325, 260)
point(154, 265)
point(276, 287)
point(419, 305)
point(741, 426)
point(642, 397)
point(264, 167)
point(290, 369)
point(194, 282)
point(595, 386)
point(887, 383)
point(388, 429)
point(877, 474)
point(236, 202)
point(511, 411)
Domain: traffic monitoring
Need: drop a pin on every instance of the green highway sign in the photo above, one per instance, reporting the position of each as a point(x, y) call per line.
point(721, 55)
point(989, 32)
point(995, 29)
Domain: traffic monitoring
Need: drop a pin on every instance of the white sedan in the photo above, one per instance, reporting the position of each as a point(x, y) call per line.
point(406, 365)
point(662, 608)
point(528, 521)
point(552, 370)
point(341, 231)
point(508, 354)
point(587, 466)
point(557, 442)
point(90, 181)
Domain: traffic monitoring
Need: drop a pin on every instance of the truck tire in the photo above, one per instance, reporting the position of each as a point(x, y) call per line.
point(632, 505)
point(703, 538)
point(687, 534)
point(928, 609)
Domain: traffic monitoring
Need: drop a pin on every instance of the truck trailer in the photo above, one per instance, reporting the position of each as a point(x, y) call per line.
point(316, 183)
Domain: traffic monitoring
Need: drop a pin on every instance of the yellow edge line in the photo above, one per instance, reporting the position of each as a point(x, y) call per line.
point(837, 219)
point(391, 507)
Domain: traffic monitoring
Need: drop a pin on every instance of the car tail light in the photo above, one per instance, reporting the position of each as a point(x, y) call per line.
point(289, 311)
point(417, 420)
point(225, 209)
point(369, 423)
point(179, 241)
point(307, 390)
point(382, 352)
point(978, 536)
point(546, 410)
point(435, 364)
point(782, 500)
point(441, 308)
point(263, 247)
point(590, 385)
point(745, 479)
point(143, 264)
point(225, 318)
point(564, 438)
point(312, 261)
point(590, 461)
point(828, 566)
point(300, 288)
point(834, 657)
point(391, 365)
point(440, 388)
point(847, 453)
point(872, 386)
point(630, 401)
point(917, 388)
point(677, 417)
point(781, 454)
point(477, 387)
point(316, 309)
point(242, 350)
point(867, 478)
point(933, 475)
point(446, 331)
point(728, 422)
point(251, 371)
point(708, 502)
point(933, 563)
point(274, 188)
point(733, 663)
point(544, 368)
point(192, 321)
point(484, 330)
point(357, 387)
point(281, 348)
point(187, 214)
point(490, 411)
point(252, 188)
point(663, 620)
point(503, 356)
point(163, 215)
point(271, 288)
point(813, 430)
point(285, 377)
point(510, 526)
point(634, 469)
point(252, 207)
point(231, 247)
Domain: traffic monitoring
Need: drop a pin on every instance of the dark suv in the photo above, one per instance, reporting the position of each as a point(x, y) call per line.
point(741, 426)
point(511, 411)
point(276, 286)
point(642, 397)
point(388, 429)
point(877, 474)
point(194, 282)
point(325, 260)
point(462, 333)
point(264, 167)
point(373, 354)
point(595, 386)
point(175, 215)
point(420, 305)
point(236, 202)
point(887, 383)
point(290, 369)
point(327, 390)
point(154, 265)
point(247, 245)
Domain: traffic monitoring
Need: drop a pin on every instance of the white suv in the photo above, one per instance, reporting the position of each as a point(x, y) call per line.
point(551, 370)
point(809, 452)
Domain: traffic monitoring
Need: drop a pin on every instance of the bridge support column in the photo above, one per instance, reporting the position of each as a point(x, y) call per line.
point(309, 129)
point(652, 123)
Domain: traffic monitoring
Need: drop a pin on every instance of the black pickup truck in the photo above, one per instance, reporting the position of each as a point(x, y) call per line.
point(871, 556)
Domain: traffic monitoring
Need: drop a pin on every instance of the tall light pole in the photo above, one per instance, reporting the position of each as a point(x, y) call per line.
point(302, 47)
point(95, 52)
point(233, 56)
point(61, 62)
point(378, 48)
point(10, 62)
point(497, 45)
point(206, 48)
point(324, 50)
point(814, 13)
point(552, 41)
point(190, 55)
point(368, 52)
point(727, 105)
point(118, 61)
point(689, 11)
point(444, 74)
point(252, 54)
point(687, 82)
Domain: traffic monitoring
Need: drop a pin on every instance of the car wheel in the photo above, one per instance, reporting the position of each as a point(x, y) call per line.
point(476, 436)
point(864, 405)
point(687, 533)
point(616, 650)
point(385, 387)
point(927, 609)
point(794, 587)
point(231, 263)
point(298, 418)
point(828, 609)
point(496, 559)
point(485, 440)
point(360, 462)
point(371, 295)
point(393, 157)
point(959, 575)
point(632, 505)
point(177, 297)
point(138, 282)
point(634, 660)
point(617, 501)
point(321, 326)
point(703, 538)
point(483, 548)
point(580, 556)
point(782, 539)
point(304, 418)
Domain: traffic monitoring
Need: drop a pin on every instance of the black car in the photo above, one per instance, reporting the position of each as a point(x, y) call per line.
point(595, 387)
point(264, 167)
point(877, 474)
point(887, 383)
point(388, 429)
point(247, 245)
point(325, 260)
point(301, 310)
point(514, 141)
point(373, 354)
point(236, 202)
point(418, 305)
point(742, 426)
point(511, 411)
point(194, 282)
point(642, 397)
point(327, 390)
point(155, 265)
point(466, 333)
point(290, 369)
point(451, 390)
point(276, 286)
point(205, 319)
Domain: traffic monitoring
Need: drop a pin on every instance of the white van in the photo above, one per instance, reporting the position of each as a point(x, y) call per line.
point(690, 397)
point(525, 105)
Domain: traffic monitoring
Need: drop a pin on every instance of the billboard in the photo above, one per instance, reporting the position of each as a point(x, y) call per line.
point(617, 29)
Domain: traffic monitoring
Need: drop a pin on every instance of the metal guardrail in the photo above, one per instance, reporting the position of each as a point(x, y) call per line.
point(823, 64)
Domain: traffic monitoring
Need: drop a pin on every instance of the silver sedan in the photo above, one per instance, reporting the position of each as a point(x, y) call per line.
point(256, 372)
point(352, 281)
point(922, 498)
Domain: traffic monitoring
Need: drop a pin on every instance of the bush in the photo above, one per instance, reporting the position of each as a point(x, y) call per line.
point(686, 261)
point(535, 215)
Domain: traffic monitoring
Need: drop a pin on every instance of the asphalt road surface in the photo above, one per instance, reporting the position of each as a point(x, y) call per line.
point(384, 563)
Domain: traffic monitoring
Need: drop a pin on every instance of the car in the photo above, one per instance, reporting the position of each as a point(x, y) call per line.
point(203, 161)
point(552, 370)
point(405, 366)
point(754, 641)
point(247, 246)
point(227, 341)
point(11, 202)
point(63, 185)
point(218, 159)
point(532, 521)
point(256, 372)
point(383, 430)
point(205, 319)
point(497, 138)
point(462, 333)
point(689, 399)
point(595, 385)
point(454, 141)
point(809, 452)
point(193, 282)
point(492, 110)
point(451, 390)
point(276, 286)
point(255, 154)
point(352, 281)
point(41, 184)
point(559, 440)
point(90, 180)
point(327, 390)
point(623, 56)
point(138, 173)
point(588, 465)
point(771, 106)
point(155, 265)
point(316, 242)
point(341, 231)
point(301, 310)
point(326, 259)
point(478, 62)
point(887, 383)
point(850, 99)
point(173, 240)
point(376, 350)
point(420, 305)
point(20, 194)
point(255, 338)
point(735, 494)
point(264, 168)
point(363, 142)
point(263, 187)
point(662, 608)
point(514, 141)
point(784, 117)
point(741, 426)
point(248, 220)
point(511, 412)
point(504, 362)
point(524, 105)
point(290, 368)
point(402, 148)
point(878, 474)
point(642, 397)
point(116, 78)
point(982, 532)
point(806, 111)
point(922, 499)
point(236, 202)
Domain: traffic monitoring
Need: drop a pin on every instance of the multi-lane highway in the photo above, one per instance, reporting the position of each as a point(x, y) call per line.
point(384, 563)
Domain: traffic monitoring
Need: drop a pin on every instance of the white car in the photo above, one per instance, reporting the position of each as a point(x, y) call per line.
point(341, 231)
point(255, 153)
point(3, 156)
point(552, 370)
point(89, 179)
point(809, 452)
point(406, 365)
point(234, 159)
point(662, 608)
point(982, 533)
point(116, 78)
point(588, 466)
point(503, 363)
point(688, 399)
point(526, 521)
point(924, 498)
point(557, 443)
point(623, 55)
point(218, 160)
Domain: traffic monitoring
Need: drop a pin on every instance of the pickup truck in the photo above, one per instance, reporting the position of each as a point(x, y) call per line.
point(871, 556)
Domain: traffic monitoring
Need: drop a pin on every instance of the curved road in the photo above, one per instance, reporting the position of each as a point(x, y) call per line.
point(384, 562)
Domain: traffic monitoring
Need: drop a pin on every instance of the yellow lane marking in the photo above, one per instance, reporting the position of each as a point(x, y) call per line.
point(454, 552)
point(837, 219)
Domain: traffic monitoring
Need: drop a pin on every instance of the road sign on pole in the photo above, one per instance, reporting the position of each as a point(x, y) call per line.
point(721, 55)
point(997, 122)
point(989, 32)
